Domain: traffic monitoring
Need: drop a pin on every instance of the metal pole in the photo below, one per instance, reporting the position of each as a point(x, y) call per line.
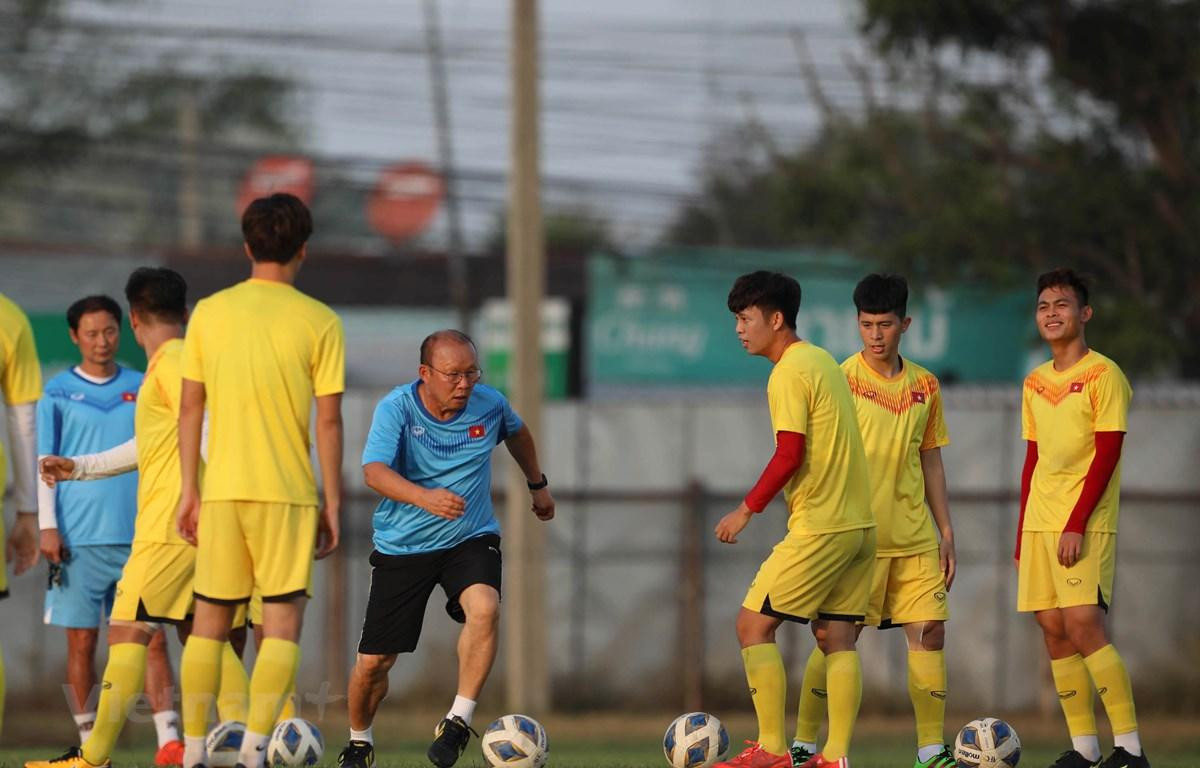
point(455, 260)
point(525, 646)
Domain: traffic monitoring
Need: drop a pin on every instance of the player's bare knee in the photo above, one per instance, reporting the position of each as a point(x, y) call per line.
point(374, 666)
point(755, 628)
point(483, 611)
point(933, 636)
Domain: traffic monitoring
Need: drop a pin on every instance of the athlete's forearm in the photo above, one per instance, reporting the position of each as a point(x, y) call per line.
point(521, 447)
point(191, 417)
point(1095, 483)
point(330, 446)
point(22, 439)
point(1031, 459)
point(115, 461)
point(386, 481)
point(935, 489)
point(788, 457)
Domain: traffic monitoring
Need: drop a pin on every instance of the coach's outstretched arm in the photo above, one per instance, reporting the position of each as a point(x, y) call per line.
point(329, 454)
point(524, 452)
point(386, 481)
point(191, 420)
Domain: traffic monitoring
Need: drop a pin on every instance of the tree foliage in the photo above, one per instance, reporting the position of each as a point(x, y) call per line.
point(1082, 151)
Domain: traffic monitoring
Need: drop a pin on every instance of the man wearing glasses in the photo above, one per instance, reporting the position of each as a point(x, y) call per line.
point(429, 454)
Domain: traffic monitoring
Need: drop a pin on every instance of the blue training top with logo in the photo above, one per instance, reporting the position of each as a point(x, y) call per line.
point(77, 416)
point(455, 454)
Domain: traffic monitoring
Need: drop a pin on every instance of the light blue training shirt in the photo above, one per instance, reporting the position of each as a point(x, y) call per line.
point(78, 416)
point(455, 454)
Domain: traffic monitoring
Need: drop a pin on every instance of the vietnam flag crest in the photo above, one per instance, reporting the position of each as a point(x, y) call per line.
point(1076, 386)
point(129, 397)
point(918, 397)
point(476, 431)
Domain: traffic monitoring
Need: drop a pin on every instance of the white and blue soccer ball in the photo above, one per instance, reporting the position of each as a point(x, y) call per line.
point(224, 744)
point(988, 742)
point(695, 740)
point(295, 742)
point(515, 741)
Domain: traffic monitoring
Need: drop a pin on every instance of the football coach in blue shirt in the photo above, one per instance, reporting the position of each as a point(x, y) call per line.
point(429, 454)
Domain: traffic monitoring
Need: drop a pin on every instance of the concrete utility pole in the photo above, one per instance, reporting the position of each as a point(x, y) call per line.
point(526, 651)
point(455, 259)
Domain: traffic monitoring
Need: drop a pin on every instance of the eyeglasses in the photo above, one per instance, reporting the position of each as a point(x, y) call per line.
point(472, 375)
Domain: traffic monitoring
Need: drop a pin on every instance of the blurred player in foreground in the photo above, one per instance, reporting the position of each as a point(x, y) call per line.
point(899, 407)
point(429, 454)
point(821, 570)
point(1074, 416)
point(21, 386)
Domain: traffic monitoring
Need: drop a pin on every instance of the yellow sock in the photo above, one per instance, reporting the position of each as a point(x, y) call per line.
point(233, 698)
point(124, 676)
point(927, 689)
point(288, 710)
point(1108, 673)
point(199, 679)
point(768, 688)
point(843, 674)
point(812, 699)
point(1075, 691)
point(274, 674)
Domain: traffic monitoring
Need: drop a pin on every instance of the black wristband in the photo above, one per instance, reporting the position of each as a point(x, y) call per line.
point(540, 484)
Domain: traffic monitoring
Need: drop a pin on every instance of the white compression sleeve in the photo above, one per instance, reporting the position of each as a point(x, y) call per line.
point(47, 501)
point(22, 437)
point(114, 461)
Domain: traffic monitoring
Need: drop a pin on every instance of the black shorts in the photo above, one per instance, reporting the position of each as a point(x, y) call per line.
point(401, 586)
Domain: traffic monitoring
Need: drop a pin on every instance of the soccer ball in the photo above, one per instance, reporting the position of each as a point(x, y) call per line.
point(695, 740)
point(515, 741)
point(987, 743)
point(295, 742)
point(224, 743)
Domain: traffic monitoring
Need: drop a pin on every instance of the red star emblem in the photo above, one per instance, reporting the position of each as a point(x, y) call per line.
point(918, 397)
point(476, 431)
point(129, 397)
point(1076, 386)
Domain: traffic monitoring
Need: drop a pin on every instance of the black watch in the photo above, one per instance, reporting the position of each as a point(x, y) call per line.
point(540, 484)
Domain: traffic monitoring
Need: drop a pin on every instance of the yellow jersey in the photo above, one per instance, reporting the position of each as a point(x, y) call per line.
point(156, 427)
point(263, 351)
point(808, 394)
point(20, 371)
point(1062, 411)
point(898, 418)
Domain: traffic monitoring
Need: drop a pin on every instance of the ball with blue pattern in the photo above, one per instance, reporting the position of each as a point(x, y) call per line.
point(988, 742)
point(224, 744)
point(515, 741)
point(695, 740)
point(295, 742)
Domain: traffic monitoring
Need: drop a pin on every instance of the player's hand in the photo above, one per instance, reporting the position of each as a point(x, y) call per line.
point(51, 545)
point(732, 524)
point(188, 516)
point(947, 559)
point(443, 503)
point(328, 530)
point(22, 549)
point(543, 504)
point(55, 468)
point(1070, 547)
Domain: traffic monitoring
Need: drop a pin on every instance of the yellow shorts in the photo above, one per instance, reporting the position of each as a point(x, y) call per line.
point(1043, 584)
point(243, 546)
point(156, 583)
point(906, 590)
point(820, 576)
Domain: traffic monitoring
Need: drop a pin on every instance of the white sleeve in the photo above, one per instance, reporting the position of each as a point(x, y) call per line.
point(22, 438)
point(46, 502)
point(114, 461)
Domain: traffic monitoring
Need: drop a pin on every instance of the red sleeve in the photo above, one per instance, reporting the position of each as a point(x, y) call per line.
point(1031, 459)
point(1108, 453)
point(789, 455)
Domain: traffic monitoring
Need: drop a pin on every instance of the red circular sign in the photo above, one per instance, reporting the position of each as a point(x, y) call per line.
point(405, 200)
point(277, 173)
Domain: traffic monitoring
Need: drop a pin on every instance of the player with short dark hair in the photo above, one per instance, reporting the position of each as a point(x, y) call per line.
point(899, 408)
point(87, 527)
point(429, 454)
point(1074, 417)
point(257, 355)
point(821, 570)
point(20, 386)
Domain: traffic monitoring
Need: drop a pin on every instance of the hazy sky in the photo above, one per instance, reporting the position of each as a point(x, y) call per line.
point(633, 90)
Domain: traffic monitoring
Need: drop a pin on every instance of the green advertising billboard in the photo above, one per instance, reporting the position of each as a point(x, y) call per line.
point(661, 320)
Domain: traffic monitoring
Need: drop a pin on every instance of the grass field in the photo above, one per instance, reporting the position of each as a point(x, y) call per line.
point(632, 741)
